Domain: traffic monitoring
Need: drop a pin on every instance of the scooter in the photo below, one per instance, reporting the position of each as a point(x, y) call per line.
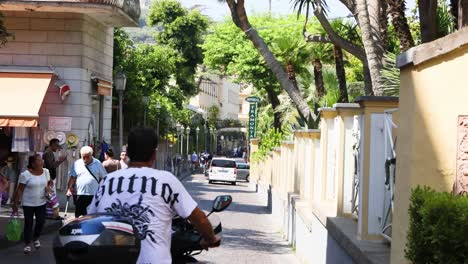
point(186, 240)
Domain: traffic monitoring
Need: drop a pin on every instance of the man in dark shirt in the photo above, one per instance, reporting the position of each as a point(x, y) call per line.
point(49, 159)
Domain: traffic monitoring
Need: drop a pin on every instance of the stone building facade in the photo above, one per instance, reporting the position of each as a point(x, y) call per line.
point(74, 41)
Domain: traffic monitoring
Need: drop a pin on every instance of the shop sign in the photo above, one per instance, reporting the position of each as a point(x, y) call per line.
point(253, 121)
point(60, 123)
point(253, 99)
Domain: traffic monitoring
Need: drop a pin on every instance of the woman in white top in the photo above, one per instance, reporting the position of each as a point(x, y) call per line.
point(32, 188)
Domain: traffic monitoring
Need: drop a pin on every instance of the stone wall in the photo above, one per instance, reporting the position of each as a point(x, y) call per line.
point(76, 47)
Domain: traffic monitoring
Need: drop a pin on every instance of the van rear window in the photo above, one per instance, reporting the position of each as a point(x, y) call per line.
point(223, 163)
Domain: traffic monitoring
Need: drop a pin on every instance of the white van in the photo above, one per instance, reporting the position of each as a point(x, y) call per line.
point(223, 169)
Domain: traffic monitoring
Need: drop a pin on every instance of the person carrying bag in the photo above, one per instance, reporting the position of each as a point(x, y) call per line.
point(34, 184)
point(86, 172)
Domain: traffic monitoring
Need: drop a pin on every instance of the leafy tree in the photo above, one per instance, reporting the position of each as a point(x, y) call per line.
point(230, 52)
point(213, 115)
point(4, 34)
point(183, 31)
point(240, 19)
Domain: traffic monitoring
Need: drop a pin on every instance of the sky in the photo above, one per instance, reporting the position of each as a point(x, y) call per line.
point(218, 11)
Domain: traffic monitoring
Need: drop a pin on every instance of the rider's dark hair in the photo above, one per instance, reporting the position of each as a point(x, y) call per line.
point(142, 143)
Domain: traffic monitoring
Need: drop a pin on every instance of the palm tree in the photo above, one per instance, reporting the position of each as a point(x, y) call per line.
point(369, 14)
point(320, 53)
point(240, 19)
point(397, 11)
point(428, 20)
point(294, 54)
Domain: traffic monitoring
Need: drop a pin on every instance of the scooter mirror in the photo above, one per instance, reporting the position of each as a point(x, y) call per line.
point(221, 202)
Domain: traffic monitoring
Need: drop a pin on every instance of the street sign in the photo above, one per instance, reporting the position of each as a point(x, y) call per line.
point(253, 99)
point(253, 120)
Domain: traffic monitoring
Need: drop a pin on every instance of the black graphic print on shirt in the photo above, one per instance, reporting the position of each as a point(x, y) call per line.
point(139, 214)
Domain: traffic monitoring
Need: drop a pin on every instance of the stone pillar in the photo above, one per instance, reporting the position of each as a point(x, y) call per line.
point(344, 155)
point(372, 164)
point(327, 144)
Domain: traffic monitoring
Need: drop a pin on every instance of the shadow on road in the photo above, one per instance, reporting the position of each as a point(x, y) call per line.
point(247, 239)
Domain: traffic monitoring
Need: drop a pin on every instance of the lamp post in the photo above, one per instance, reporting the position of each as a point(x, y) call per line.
point(178, 136)
point(215, 141)
point(120, 81)
point(145, 102)
point(182, 128)
point(198, 131)
point(158, 106)
point(188, 138)
point(211, 139)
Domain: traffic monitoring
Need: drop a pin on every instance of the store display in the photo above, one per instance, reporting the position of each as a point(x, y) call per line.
point(72, 140)
point(61, 137)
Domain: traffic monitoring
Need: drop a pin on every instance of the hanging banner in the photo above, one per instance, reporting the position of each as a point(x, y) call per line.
point(253, 121)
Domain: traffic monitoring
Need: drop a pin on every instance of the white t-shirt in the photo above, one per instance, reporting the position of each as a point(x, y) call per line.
point(34, 191)
point(151, 198)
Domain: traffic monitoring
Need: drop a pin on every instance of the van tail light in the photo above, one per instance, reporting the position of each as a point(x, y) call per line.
point(235, 170)
point(211, 168)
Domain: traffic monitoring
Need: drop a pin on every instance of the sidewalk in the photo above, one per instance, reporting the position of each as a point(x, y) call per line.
point(50, 225)
point(5, 215)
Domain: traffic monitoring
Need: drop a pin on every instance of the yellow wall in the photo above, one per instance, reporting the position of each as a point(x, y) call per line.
point(432, 96)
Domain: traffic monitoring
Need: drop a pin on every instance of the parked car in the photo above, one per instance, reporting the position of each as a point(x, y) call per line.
point(223, 169)
point(243, 171)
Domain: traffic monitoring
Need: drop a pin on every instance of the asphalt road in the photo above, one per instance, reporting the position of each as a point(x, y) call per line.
point(248, 232)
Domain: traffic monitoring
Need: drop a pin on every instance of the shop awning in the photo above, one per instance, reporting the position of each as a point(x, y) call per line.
point(21, 96)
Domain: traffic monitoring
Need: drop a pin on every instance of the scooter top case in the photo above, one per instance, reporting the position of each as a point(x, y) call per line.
point(97, 238)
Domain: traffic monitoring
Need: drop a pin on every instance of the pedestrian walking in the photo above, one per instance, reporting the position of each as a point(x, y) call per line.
point(110, 164)
point(9, 172)
point(86, 172)
point(3, 185)
point(52, 206)
point(34, 186)
point(49, 158)
point(123, 160)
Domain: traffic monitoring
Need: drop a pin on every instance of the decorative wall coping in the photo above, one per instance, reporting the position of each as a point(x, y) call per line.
point(100, 9)
point(338, 106)
point(433, 49)
point(361, 99)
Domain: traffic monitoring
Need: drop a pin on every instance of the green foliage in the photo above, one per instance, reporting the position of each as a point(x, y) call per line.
point(269, 141)
point(183, 31)
point(391, 76)
point(438, 227)
point(4, 34)
point(213, 115)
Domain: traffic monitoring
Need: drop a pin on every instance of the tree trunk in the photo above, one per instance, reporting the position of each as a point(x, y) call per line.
point(318, 77)
point(367, 80)
point(372, 44)
point(454, 12)
point(397, 11)
point(292, 74)
point(383, 22)
point(275, 102)
point(462, 13)
point(341, 75)
point(428, 20)
point(239, 18)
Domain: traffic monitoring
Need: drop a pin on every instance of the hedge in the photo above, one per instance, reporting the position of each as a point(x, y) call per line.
point(438, 230)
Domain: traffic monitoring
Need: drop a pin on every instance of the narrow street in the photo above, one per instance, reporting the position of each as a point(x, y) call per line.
point(248, 233)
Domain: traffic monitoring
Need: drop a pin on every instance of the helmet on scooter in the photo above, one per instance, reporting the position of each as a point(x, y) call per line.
point(97, 238)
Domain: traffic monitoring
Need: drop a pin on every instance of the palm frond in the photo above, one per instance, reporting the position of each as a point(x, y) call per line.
point(390, 75)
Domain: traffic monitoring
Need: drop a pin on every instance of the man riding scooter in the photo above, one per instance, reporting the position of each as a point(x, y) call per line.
point(150, 199)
